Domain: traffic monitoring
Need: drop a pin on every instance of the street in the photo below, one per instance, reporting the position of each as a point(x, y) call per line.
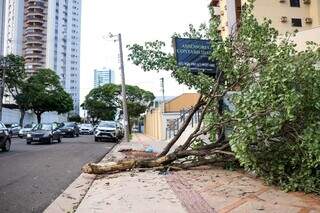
point(32, 176)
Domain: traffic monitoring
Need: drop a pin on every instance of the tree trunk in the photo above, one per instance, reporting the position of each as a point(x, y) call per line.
point(39, 116)
point(183, 128)
point(112, 167)
point(22, 114)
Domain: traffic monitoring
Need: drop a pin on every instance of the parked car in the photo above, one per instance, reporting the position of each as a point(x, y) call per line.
point(44, 132)
point(106, 130)
point(70, 129)
point(86, 129)
point(120, 130)
point(13, 129)
point(25, 130)
point(5, 138)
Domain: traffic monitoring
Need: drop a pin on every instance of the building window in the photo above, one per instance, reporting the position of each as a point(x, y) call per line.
point(296, 22)
point(295, 3)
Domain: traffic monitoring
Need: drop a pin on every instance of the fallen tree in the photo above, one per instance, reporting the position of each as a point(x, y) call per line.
point(229, 53)
point(274, 122)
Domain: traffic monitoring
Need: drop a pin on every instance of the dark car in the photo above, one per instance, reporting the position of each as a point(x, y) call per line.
point(5, 139)
point(70, 129)
point(13, 129)
point(44, 132)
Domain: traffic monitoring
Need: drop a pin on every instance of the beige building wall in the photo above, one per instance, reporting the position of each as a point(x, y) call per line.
point(184, 101)
point(304, 36)
point(153, 123)
point(156, 119)
point(279, 11)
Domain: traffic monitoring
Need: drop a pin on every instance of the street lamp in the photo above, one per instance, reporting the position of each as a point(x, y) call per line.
point(123, 87)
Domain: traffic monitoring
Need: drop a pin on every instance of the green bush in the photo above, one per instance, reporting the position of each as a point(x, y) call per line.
point(278, 133)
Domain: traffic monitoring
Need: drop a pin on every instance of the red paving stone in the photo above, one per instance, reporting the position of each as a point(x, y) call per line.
point(190, 199)
point(202, 190)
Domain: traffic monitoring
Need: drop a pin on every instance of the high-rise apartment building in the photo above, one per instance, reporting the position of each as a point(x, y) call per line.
point(47, 34)
point(2, 21)
point(103, 76)
point(286, 15)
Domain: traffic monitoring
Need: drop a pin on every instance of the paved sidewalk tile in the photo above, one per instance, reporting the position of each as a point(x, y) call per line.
point(232, 191)
point(145, 192)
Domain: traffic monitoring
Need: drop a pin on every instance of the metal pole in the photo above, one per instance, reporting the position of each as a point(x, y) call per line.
point(124, 98)
point(2, 90)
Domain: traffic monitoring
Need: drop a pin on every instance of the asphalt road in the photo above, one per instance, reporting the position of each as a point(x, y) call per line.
point(32, 176)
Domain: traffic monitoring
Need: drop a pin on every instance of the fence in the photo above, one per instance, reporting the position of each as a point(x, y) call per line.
point(173, 128)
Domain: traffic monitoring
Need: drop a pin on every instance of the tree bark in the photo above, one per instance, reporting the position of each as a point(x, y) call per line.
point(39, 116)
point(22, 114)
point(112, 167)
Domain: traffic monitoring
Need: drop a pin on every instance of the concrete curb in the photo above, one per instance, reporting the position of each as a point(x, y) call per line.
point(70, 199)
point(72, 196)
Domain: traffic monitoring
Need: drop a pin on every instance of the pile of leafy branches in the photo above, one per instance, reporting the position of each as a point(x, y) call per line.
point(276, 114)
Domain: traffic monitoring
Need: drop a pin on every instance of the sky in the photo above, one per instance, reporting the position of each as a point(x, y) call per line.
point(137, 21)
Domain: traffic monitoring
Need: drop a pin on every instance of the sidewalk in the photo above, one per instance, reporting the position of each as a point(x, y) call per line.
point(198, 190)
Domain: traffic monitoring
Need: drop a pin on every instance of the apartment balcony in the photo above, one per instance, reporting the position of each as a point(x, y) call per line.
point(27, 42)
point(39, 14)
point(34, 21)
point(34, 35)
point(32, 57)
point(33, 27)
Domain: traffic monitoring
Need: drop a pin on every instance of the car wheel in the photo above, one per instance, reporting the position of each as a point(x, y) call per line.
point(7, 146)
point(28, 142)
point(50, 141)
point(96, 139)
point(72, 135)
point(59, 139)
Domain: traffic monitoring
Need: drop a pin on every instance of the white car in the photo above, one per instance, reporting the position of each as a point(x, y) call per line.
point(25, 130)
point(106, 130)
point(86, 129)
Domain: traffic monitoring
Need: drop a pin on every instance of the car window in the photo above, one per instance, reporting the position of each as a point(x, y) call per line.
point(8, 125)
point(69, 124)
point(43, 127)
point(107, 124)
point(28, 126)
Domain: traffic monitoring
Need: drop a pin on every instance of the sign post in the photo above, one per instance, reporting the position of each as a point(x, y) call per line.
point(195, 55)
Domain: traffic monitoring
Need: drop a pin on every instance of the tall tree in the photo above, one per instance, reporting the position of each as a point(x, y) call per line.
point(103, 102)
point(44, 93)
point(15, 81)
point(138, 100)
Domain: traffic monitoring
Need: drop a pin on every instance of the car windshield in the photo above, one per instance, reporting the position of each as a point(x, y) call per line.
point(68, 124)
point(43, 127)
point(86, 125)
point(28, 126)
point(107, 124)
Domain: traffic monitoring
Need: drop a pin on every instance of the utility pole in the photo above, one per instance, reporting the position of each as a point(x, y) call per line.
point(3, 65)
point(123, 88)
point(124, 98)
point(162, 88)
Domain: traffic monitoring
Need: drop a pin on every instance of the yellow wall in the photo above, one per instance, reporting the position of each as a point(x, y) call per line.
point(184, 101)
point(153, 123)
point(154, 120)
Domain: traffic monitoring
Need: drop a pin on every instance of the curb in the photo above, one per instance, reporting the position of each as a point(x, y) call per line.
point(71, 197)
